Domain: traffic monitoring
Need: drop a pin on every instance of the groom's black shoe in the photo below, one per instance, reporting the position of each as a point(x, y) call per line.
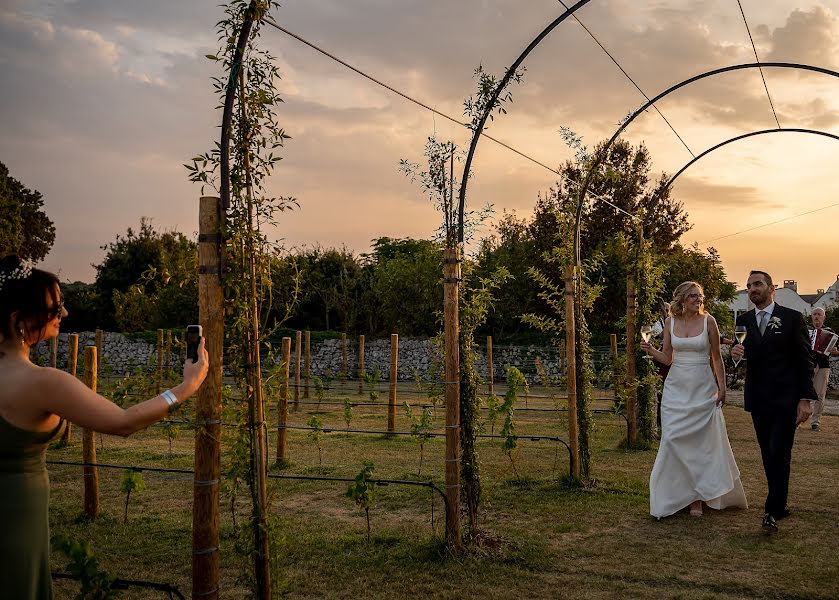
point(769, 523)
point(782, 515)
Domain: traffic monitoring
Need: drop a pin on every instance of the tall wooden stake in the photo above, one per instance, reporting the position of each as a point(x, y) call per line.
point(344, 370)
point(307, 362)
point(613, 344)
point(298, 350)
point(91, 474)
point(205, 490)
point(72, 366)
point(282, 417)
point(361, 371)
point(54, 352)
point(451, 332)
point(571, 356)
point(394, 372)
point(100, 355)
point(490, 369)
point(160, 348)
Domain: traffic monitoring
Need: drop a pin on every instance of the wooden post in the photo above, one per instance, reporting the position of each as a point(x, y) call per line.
point(298, 349)
point(394, 371)
point(100, 356)
point(451, 329)
point(205, 490)
point(167, 353)
point(282, 417)
point(91, 474)
point(307, 362)
point(344, 370)
point(159, 360)
point(54, 352)
point(360, 365)
point(571, 361)
point(72, 365)
point(632, 397)
point(490, 369)
point(613, 344)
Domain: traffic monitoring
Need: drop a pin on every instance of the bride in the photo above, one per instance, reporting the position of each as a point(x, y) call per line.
point(695, 463)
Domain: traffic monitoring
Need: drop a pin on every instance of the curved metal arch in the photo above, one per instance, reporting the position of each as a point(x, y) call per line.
point(602, 154)
point(690, 163)
point(479, 128)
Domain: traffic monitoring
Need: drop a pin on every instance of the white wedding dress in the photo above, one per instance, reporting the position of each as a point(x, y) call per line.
point(694, 460)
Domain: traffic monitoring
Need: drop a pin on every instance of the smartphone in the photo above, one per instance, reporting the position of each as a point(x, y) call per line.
point(193, 338)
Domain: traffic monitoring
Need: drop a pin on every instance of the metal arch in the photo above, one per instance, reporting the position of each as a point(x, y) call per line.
point(602, 154)
point(670, 182)
point(479, 128)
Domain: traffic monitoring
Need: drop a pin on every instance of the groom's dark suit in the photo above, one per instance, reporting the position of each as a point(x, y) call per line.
point(779, 373)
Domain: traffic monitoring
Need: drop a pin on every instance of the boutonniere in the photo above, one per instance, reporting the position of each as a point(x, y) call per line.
point(774, 324)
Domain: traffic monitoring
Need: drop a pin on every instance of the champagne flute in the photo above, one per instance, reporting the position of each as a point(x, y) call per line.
point(646, 334)
point(740, 336)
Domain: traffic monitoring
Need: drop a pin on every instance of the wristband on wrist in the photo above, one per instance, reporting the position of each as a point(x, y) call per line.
point(170, 398)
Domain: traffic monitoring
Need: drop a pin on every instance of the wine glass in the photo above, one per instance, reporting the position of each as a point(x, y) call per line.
point(740, 336)
point(646, 334)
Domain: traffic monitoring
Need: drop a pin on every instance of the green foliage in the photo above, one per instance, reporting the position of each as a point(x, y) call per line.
point(515, 383)
point(348, 414)
point(82, 303)
point(132, 481)
point(371, 379)
point(25, 228)
point(552, 294)
point(256, 138)
point(95, 583)
point(147, 280)
point(320, 389)
point(477, 297)
point(315, 434)
point(363, 492)
point(420, 429)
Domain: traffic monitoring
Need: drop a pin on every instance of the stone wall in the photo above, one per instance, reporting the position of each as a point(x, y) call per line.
point(120, 354)
point(417, 358)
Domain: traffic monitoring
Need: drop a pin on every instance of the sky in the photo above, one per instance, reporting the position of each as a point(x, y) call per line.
point(102, 101)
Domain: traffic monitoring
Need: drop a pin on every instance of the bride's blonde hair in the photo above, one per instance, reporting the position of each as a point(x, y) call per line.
point(680, 295)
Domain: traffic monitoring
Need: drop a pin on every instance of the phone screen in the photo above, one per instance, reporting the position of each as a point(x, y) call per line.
point(193, 337)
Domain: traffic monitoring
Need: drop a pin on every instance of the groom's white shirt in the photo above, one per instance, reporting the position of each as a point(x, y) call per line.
point(768, 310)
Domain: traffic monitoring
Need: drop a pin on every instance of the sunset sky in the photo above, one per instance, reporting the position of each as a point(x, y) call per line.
point(101, 101)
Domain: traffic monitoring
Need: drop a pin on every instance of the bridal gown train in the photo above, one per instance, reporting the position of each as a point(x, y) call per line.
point(694, 460)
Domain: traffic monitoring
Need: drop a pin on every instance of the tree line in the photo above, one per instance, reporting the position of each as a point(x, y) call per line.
point(148, 277)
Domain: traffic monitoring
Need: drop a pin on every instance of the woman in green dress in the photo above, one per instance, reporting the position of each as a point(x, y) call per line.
point(35, 404)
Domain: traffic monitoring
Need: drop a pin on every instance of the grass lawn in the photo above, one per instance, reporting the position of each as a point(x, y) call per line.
point(547, 540)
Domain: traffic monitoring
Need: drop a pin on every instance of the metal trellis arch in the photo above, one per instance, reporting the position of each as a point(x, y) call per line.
point(675, 176)
point(601, 155)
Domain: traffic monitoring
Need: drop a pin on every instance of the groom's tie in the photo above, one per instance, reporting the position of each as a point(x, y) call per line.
point(761, 320)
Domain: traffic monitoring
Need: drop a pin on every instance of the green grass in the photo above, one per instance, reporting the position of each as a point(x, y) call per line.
point(543, 539)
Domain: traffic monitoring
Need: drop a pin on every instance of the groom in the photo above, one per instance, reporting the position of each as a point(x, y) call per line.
point(779, 385)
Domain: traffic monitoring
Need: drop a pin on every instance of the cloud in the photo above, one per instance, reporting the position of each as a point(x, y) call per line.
point(699, 193)
point(808, 37)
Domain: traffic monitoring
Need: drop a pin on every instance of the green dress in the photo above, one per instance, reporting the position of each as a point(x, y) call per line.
point(24, 506)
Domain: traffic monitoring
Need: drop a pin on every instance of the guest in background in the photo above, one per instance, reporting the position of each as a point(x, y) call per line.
point(820, 336)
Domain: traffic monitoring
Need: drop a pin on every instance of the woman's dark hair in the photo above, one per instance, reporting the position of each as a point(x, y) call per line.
point(25, 295)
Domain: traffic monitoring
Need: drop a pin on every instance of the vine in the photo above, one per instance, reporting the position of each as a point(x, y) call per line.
point(250, 257)
point(553, 294)
point(476, 295)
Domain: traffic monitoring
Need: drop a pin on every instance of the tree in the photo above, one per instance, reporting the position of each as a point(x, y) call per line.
point(148, 280)
point(406, 285)
point(82, 303)
point(25, 228)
